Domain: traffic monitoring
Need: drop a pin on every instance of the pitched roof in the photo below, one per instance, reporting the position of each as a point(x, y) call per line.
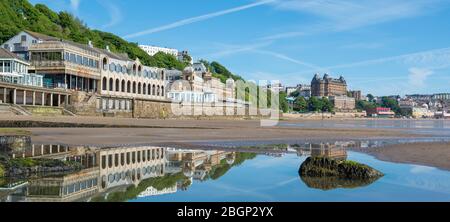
point(5, 54)
point(41, 36)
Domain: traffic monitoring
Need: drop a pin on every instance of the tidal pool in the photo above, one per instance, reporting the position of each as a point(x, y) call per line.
point(268, 173)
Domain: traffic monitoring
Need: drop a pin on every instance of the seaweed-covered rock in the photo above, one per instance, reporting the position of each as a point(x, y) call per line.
point(327, 167)
point(330, 183)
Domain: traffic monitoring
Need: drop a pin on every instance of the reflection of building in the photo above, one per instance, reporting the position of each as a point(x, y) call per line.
point(71, 187)
point(328, 86)
point(125, 166)
point(196, 164)
point(151, 191)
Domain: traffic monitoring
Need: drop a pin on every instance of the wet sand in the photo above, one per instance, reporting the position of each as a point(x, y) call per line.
point(428, 154)
point(146, 132)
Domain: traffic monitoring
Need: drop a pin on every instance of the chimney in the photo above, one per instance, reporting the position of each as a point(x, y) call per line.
point(90, 44)
point(107, 48)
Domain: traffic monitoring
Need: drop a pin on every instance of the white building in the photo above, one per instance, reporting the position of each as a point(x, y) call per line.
point(124, 79)
point(152, 50)
point(20, 43)
point(14, 70)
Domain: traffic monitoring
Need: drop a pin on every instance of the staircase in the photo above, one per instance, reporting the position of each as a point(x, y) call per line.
point(68, 112)
point(18, 110)
point(5, 109)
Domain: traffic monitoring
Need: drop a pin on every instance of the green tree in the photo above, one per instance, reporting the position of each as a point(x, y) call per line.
point(301, 104)
point(371, 97)
point(315, 104)
point(327, 105)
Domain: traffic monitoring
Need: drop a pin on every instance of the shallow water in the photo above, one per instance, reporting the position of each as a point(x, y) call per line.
point(261, 173)
point(430, 127)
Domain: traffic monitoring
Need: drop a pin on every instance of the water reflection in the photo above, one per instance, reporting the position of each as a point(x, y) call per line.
point(149, 172)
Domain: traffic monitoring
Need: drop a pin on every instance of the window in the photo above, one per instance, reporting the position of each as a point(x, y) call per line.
point(103, 162)
point(128, 158)
point(139, 156)
point(23, 38)
point(116, 160)
point(110, 161)
point(122, 159)
point(133, 157)
point(104, 84)
point(79, 60)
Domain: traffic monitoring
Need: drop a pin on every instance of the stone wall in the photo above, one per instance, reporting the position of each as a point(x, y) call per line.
point(83, 104)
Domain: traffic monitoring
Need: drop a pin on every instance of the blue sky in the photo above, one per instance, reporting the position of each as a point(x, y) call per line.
point(382, 47)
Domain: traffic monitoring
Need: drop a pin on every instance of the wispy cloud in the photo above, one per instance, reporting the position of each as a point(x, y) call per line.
point(198, 19)
point(335, 16)
point(417, 77)
point(75, 5)
point(114, 11)
point(283, 35)
point(431, 59)
point(227, 49)
point(289, 59)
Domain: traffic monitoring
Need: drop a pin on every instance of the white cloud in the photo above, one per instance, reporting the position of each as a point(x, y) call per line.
point(114, 13)
point(417, 77)
point(283, 35)
point(334, 16)
point(198, 19)
point(431, 59)
point(75, 4)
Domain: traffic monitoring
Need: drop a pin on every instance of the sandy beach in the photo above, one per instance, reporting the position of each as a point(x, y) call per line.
point(428, 154)
point(117, 131)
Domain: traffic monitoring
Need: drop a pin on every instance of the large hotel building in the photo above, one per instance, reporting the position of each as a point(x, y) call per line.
point(334, 89)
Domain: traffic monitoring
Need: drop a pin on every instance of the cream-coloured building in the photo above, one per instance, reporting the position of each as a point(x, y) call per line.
point(124, 79)
point(200, 87)
point(130, 165)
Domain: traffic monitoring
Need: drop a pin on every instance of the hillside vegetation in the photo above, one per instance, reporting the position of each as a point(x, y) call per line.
point(18, 15)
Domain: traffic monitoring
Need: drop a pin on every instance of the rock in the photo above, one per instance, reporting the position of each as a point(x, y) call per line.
point(327, 167)
point(330, 183)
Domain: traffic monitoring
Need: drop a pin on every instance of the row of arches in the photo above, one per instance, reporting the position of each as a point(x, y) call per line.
point(134, 70)
point(125, 159)
point(118, 85)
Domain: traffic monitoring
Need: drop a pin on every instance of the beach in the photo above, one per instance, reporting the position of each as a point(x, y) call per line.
point(121, 131)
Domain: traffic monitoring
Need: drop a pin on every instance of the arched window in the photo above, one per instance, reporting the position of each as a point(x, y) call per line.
point(162, 75)
point(140, 70)
point(139, 88)
point(153, 90)
point(104, 84)
point(144, 89)
point(123, 86)
point(149, 89)
point(128, 86)
point(117, 85)
point(111, 84)
point(162, 91)
point(112, 67)
point(105, 63)
point(134, 87)
point(159, 91)
point(134, 69)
